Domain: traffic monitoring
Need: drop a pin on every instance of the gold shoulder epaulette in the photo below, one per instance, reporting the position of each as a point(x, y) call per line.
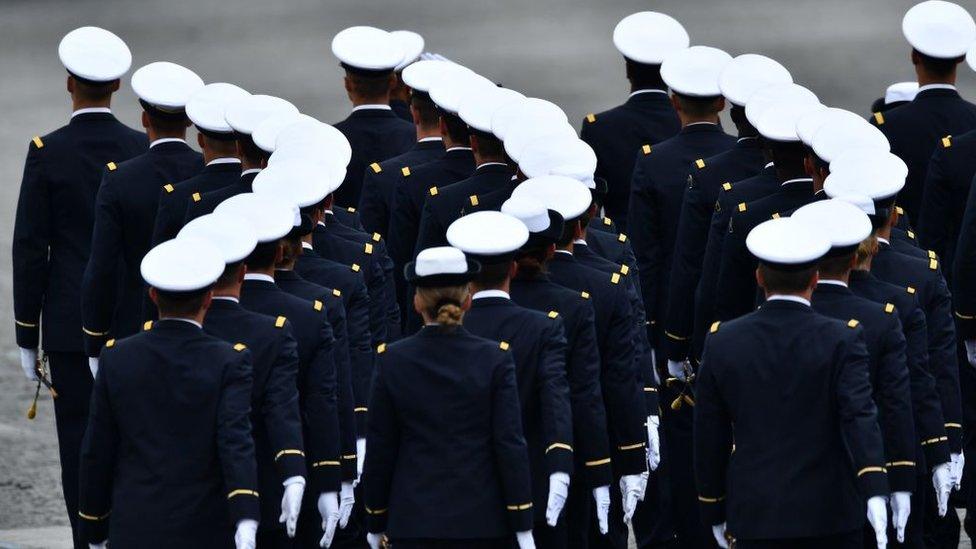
point(624, 269)
point(910, 290)
point(503, 345)
point(621, 237)
point(889, 308)
point(726, 186)
point(317, 305)
point(377, 237)
point(742, 206)
point(607, 221)
point(775, 215)
point(615, 278)
point(280, 322)
point(351, 209)
point(376, 167)
point(933, 264)
point(147, 325)
point(879, 118)
point(405, 171)
point(381, 348)
point(947, 142)
point(239, 347)
point(700, 163)
point(368, 248)
point(932, 254)
point(110, 343)
point(169, 187)
point(473, 199)
point(911, 234)
point(337, 293)
point(852, 323)
point(585, 295)
point(432, 191)
point(111, 166)
point(646, 149)
point(196, 197)
point(553, 314)
point(591, 118)
point(355, 267)
point(38, 142)
point(714, 327)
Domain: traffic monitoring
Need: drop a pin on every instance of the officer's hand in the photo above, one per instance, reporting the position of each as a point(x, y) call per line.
point(28, 362)
point(971, 351)
point(246, 535)
point(525, 540)
point(678, 369)
point(942, 480)
point(645, 476)
point(558, 490)
point(958, 461)
point(374, 540)
point(630, 491)
point(601, 495)
point(878, 517)
point(93, 366)
point(291, 503)
point(360, 459)
point(346, 500)
point(718, 532)
point(329, 511)
point(653, 443)
point(901, 507)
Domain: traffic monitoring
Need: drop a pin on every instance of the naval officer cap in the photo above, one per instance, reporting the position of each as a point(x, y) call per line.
point(571, 157)
point(476, 108)
point(244, 114)
point(545, 226)
point(695, 71)
point(779, 121)
point(533, 129)
point(307, 136)
point(901, 92)
point(510, 114)
point(749, 72)
point(566, 195)
point(208, 106)
point(164, 88)
point(182, 265)
point(489, 237)
point(971, 56)
point(648, 37)
point(877, 175)
point(266, 132)
point(448, 92)
point(837, 136)
point(808, 124)
point(422, 75)
point(271, 217)
point(304, 183)
point(939, 29)
point(844, 224)
point(231, 234)
point(367, 50)
point(411, 44)
point(441, 266)
point(787, 244)
point(94, 54)
point(769, 95)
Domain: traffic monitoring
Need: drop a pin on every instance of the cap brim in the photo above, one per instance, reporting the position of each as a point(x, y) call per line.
point(444, 279)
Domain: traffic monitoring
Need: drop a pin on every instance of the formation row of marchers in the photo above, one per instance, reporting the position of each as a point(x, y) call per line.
point(425, 327)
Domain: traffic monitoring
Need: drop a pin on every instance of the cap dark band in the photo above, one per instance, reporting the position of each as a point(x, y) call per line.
point(90, 82)
point(366, 72)
point(304, 229)
point(442, 279)
point(219, 136)
point(172, 114)
point(550, 235)
point(791, 267)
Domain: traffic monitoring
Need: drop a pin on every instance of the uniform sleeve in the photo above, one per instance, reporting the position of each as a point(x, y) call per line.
point(556, 412)
point(510, 449)
point(735, 289)
point(99, 287)
point(168, 217)
point(373, 210)
point(378, 307)
point(705, 297)
point(937, 205)
point(858, 415)
point(431, 233)
point(32, 237)
point(321, 395)
point(622, 392)
point(360, 353)
point(964, 272)
point(895, 409)
point(926, 407)
point(99, 452)
point(586, 400)
point(643, 224)
point(382, 449)
point(404, 223)
point(389, 284)
point(685, 272)
point(943, 360)
point(280, 409)
point(347, 401)
point(712, 439)
point(235, 446)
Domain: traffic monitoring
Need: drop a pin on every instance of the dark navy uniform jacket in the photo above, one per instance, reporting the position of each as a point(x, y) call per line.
point(297, 286)
point(930, 432)
point(375, 134)
point(916, 129)
point(947, 182)
point(925, 281)
point(275, 418)
point(168, 459)
point(705, 185)
point(55, 218)
point(317, 382)
point(620, 377)
point(348, 216)
point(807, 447)
point(888, 369)
point(618, 134)
point(735, 293)
point(402, 109)
point(173, 204)
point(591, 446)
point(612, 246)
point(113, 295)
point(537, 342)
point(445, 453)
point(210, 200)
point(444, 206)
point(964, 273)
point(382, 179)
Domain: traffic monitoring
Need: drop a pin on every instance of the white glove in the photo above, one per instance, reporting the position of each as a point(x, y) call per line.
point(360, 459)
point(346, 500)
point(291, 503)
point(653, 443)
point(878, 517)
point(102, 545)
point(28, 361)
point(958, 461)
point(942, 480)
point(246, 535)
point(718, 531)
point(93, 366)
point(329, 510)
point(630, 490)
point(374, 540)
point(901, 507)
point(677, 369)
point(971, 351)
point(601, 495)
point(558, 490)
point(525, 540)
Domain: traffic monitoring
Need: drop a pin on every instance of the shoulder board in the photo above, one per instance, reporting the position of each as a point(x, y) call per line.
point(852, 323)
point(585, 295)
point(337, 293)
point(196, 197)
point(700, 163)
point(355, 267)
point(889, 308)
point(947, 142)
point(607, 221)
point(615, 278)
point(726, 186)
point(591, 118)
point(646, 149)
point(377, 237)
point(553, 314)
point(910, 290)
point(504, 345)
point(239, 347)
point(351, 209)
point(110, 343)
point(38, 142)
point(714, 327)
point(622, 237)
point(280, 322)
point(932, 254)
point(147, 326)
point(405, 171)
point(624, 269)
point(933, 264)
point(317, 305)
point(169, 187)
point(879, 118)
point(112, 166)
point(432, 191)
point(775, 215)
point(368, 248)
point(911, 234)
point(376, 167)
point(742, 206)
point(473, 199)
point(381, 348)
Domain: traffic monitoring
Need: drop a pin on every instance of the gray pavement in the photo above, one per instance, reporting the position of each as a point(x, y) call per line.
point(847, 51)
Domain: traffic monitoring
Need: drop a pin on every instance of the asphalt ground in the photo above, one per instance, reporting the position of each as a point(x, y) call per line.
point(847, 51)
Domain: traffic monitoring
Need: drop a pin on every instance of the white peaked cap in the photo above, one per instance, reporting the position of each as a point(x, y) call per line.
point(648, 37)
point(182, 265)
point(94, 54)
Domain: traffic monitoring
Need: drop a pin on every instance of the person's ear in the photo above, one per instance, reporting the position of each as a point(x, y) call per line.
point(145, 120)
point(675, 103)
point(443, 125)
point(760, 280)
point(550, 251)
point(808, 166)
point(200, 142)
point(279, 252)
point(417, 305)
point(207, 300)
point(116, 84)
point(578, 229)
point(512, 269)
point(391, 83)
point(347, 82)
point(475, 149)
point(467, 303)
point(70, 84)
point(154, 296)
point(813, 280)
point(414, 111)
point(915, 57)
point(721, 105)
point(241, 272)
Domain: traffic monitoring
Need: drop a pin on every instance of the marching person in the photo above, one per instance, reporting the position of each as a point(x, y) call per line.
point(53, 228)
point(448, 395)
point(412, 45)
point(168, 459)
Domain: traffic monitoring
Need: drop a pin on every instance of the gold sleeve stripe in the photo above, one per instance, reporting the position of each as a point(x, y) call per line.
point(703, 499)
point(93, 517)
point(900, 464)
point(646, 149)
point(675, 337)
point(597, 462)
point(879, 118)
point(375, 511)
point(503, 345)
point(169, 188)
point(337, 293)
point(953, 426)
point(405, 171)
point(349, 456)
point(381, 348)
point(474, 199)
point(621, 237)
point(559, 446)
point(147, 325)
point(93, 333)
point(280, 322)
point(867, 470)
point(112, 166)
point(289, 453)
point(360, 409)
point(591, 118)
point(37, 142)
point(26, 324)
point(196, 197)
point(700, 163)
point(521, 507)
point(239, 347)
point(632, 446)
point(242, 493)
point(934, 440)
point(325, 464)
point(650, 390)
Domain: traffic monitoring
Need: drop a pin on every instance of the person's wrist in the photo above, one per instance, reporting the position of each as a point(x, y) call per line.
point(294, 480)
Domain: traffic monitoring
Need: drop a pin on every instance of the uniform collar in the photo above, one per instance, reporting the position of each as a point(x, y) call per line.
point(372, 107)
point(579, 242)
point(224, 160)
point(789, 298)
point(936, 90)
point(226, 298)
point(429, 139)
point(796, 181)
point(259, 276)
point(186, 320)
point(928, 87)
point(701, 127)
point(249, 171)
point(491, 293)
point(884, 241)
point(305, 246)
point(832, 282)
point(167, 140)
point(91, 110)
point(649, 90)
point(460, 149)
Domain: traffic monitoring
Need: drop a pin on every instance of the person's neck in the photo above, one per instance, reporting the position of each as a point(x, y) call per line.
point(250, 164)
point(845, 277)
point(925, 79)
point(641, 86)
point(228, 291)
point(401, 92)
point(505, 287)
point(378, 100)
point(567, 248)
point(198, 318)
point(451, 144)
point(211, 153)
point(154, 134)
point(864, 265)
point(479, 159)
point(425, 132)
point(788, 171)
point(267, 271)
point(884, 232)
point(807, 294)
point(286, 266)
point(78, 103)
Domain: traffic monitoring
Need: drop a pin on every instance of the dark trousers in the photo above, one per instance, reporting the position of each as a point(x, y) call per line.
point(73, 381)
point(499, 543)
point(847, 540)
point(577, 514)
point(653, 523)
point(353, 536)
point(616, 536)
point(550, 537)
point(677, 437)
point(274, 539)
point(310, 525)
